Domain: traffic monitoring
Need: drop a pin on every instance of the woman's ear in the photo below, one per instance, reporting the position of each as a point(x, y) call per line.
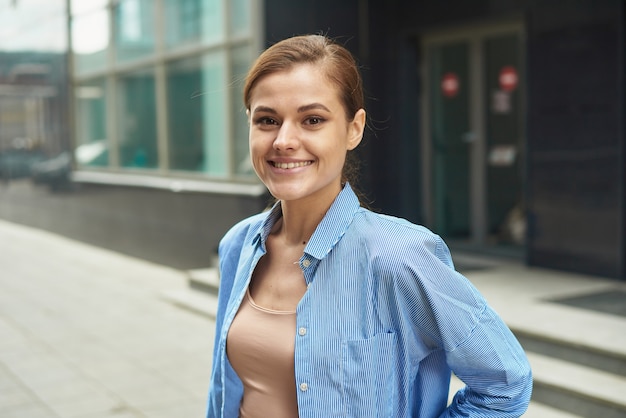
point(248, 115)
point(355, 129)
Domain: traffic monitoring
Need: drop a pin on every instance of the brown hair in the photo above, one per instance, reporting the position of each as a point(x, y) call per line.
point(338, 64)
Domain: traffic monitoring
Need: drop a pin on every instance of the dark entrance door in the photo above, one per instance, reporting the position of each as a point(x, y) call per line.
point(474, 148)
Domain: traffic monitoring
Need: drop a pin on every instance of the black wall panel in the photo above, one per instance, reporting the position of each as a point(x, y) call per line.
point(574, 138)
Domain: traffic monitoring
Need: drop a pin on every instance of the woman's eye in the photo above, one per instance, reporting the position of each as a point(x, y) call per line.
point(314, 120)
point(266, 121)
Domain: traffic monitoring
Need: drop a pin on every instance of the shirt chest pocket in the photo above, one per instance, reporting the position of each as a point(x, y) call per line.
point(368, 376)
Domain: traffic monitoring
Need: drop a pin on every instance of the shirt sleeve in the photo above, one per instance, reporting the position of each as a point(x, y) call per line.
point(495, 369)
point(216, 390)
point(492, 364)
point(222, 377)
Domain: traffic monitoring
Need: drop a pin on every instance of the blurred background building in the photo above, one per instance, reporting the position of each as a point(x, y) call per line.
point(498, 124)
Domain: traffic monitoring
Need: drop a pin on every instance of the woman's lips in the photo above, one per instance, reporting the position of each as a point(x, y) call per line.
point(290, 165)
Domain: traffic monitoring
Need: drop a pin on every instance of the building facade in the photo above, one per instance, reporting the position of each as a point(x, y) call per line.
point(33, 77)
point(498, 124)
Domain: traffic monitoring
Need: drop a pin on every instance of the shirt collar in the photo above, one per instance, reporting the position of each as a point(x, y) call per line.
point(329, 231)
point(334, 224)
point(266, 227)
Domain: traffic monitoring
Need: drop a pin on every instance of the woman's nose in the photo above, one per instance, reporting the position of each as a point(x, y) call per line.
point(287, 137)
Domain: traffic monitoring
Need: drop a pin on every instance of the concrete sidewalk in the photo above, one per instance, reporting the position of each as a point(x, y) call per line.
point(85, 332)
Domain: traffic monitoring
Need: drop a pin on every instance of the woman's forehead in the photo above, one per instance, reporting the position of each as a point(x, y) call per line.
point(302, 83)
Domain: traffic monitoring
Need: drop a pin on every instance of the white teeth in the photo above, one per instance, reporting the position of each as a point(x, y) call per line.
point(291, 165)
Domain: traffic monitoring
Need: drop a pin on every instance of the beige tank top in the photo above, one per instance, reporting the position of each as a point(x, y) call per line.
point(260, 347)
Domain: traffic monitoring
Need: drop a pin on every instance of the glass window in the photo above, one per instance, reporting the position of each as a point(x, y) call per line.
point(134, 29)
point(197, 115)
point(182, 21)
point(191, 21)
point(239, 68)
point(90, 41)
point(32, 25)
point(84, 6)
point(92, 143)
point(207, 49)
point(240, 17)
point(197, 125)
point(137, 120)
point(184, 107)
point(216, 161)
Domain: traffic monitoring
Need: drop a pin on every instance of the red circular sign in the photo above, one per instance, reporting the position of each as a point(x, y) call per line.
point(508, 78)
point(450, 84)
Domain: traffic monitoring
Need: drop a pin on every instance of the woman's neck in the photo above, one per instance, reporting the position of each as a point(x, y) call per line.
point(301, 218)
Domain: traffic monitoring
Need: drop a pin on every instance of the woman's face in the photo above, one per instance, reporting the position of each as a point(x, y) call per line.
point(299, 135)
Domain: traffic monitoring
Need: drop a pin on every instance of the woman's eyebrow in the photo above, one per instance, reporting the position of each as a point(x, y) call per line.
point(301, 109)
point(313, 106)
point(265, 109)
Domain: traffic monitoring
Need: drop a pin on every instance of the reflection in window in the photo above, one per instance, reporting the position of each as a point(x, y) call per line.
point(134, 29)
point(137, 120)
point(93, 146)
point(197, 118)
point(29, 26)
point(192, 21)
point(90, 40)
point(86, 6)
point(184, 87)
point(240, 17)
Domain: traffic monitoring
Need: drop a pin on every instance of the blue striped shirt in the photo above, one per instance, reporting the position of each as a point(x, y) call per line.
point(384, 321)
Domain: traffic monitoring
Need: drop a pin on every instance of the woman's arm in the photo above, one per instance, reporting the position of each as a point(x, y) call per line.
point(495, 369)
point(490, 361)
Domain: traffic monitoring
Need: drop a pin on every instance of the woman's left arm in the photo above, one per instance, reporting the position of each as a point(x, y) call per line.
point(489, 359)
point(495, 369)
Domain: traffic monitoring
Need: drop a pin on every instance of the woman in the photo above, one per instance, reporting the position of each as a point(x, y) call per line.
point(326, 308)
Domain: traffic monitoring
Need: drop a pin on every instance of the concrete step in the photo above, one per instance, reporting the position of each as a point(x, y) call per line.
point(538, 410)
point(578, 362)
point(199, 302)
point(572, 350)
point(204, 280)
point(577, 389)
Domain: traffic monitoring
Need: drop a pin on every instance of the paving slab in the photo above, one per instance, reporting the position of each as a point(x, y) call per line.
point(85, 333)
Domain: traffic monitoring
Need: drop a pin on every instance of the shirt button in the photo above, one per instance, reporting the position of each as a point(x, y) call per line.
point(304, 387)
point(306, 263)
point(302, 331)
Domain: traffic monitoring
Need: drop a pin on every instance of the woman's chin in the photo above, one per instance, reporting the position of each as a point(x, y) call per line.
point(285, 194)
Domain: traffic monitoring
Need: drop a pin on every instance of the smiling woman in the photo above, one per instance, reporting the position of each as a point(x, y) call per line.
point(334, 63)
point(299, 135)
point(326, 308)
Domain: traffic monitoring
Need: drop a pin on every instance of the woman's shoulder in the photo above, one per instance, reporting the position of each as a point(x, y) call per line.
point(387, 227)
point(241, 229)
point(393, 238)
